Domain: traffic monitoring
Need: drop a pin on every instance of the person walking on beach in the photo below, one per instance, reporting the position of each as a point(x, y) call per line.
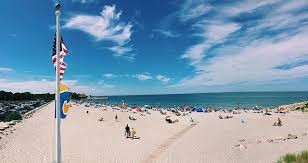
point(116, 117)
point(127, 131)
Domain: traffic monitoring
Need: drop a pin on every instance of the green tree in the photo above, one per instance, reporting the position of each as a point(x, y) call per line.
point(13, 116)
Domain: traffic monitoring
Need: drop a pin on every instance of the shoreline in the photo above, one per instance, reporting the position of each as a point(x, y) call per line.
point(247, 100)
point(291, 106)
point(86, 139)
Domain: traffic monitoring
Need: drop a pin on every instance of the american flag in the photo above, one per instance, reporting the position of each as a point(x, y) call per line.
point(63, 52)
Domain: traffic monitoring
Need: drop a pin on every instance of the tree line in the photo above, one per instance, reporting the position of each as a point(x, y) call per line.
point(9, 96)
point(77, 96)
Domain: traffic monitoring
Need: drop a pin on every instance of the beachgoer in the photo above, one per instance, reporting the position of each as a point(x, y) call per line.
point(87, 112)
point(132, 118)
point(266, 112)
point(116, 117)
point(192, 122)
point(133, 133)
point(127, 131)
point(279, 122)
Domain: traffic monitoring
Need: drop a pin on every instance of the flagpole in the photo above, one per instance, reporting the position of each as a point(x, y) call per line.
point(58, 115)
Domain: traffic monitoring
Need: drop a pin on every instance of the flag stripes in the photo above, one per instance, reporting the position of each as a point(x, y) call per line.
point(63, 52)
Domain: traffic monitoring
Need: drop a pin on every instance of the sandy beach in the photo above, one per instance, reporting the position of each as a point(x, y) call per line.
point(85, 139)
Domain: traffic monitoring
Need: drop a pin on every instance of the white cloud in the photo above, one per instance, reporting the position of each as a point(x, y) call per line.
point(257, 61)
point(48, 86)
point(141, 76)
point(162, 78)
point(144, 76)
point(39, 86)
point(109, 76)
point(293, 5)
point(193, 9)
point(195, 53)
point(167, 33)
point(212, 33)
point(120, 50)
point(105, 27)
point(5, 69)
point(246, 6)
point(252, 55)
point(216, 31)
point(284, 17)
point(83, 1)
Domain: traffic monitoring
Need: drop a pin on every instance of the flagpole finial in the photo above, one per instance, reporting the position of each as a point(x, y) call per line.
point(57, 6)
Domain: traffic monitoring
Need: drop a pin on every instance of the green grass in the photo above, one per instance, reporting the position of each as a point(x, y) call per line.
point(294, 158)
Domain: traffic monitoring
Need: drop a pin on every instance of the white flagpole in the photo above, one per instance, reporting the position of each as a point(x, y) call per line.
point(58, 114)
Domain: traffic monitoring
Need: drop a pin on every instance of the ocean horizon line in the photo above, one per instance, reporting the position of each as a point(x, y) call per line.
point(197, 93)
point(162, 94)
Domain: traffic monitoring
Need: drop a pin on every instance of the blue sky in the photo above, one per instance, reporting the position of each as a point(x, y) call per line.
point(157, 47)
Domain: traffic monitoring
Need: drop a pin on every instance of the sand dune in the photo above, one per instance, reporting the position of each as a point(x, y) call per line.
point(85, 139)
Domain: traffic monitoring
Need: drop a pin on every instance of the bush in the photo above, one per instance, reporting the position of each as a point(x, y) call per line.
point(294, 158)
point(12, 116)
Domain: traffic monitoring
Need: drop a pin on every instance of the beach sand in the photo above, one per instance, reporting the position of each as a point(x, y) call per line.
point(85, 139)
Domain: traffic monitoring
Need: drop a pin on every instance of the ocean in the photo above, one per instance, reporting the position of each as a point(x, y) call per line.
point(217, 100)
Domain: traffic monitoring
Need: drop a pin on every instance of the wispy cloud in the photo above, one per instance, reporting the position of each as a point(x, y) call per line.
point(105, 27)
point(83, 1)
point(293, 5)
point(5, 70)
point(123, 51)
point(245, 6)
point(39, 86)
point(144, 76)
point(212, 33)
point(256, 62)
point(167, 33)
point(109, 76)
point(47, 86)
point(141, 76)
point(192, 9)
point(236, 47)
point(163, 79)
